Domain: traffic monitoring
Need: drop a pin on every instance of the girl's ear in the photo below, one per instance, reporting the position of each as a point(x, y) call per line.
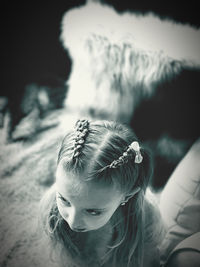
point(129, 196)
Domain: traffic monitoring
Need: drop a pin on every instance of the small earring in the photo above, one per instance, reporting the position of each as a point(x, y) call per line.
point(123, 203)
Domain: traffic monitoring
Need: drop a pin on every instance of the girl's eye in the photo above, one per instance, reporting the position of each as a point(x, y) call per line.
point(94, 212)
point(63, 200)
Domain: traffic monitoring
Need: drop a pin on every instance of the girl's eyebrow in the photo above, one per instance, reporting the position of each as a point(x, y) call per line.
point(86, 209)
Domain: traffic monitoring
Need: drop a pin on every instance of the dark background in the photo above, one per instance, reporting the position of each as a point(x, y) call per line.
point(31, 50)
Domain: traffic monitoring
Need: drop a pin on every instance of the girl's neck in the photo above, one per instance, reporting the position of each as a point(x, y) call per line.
point(100, 240)
point(101, 235)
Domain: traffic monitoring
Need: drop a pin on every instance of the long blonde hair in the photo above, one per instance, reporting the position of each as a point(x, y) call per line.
point(105, 142)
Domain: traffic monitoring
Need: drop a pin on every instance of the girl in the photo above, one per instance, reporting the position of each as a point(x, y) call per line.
point(97, 212)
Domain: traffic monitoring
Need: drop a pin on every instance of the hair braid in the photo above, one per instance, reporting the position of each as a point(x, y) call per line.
point(132, 151)
point(82, 129)
point(122, 159)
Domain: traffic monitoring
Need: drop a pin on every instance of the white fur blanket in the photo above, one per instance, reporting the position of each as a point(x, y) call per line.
point(120, 58)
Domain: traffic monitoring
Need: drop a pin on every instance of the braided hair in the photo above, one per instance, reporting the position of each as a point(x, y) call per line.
point(81, 133)
point(132, 151)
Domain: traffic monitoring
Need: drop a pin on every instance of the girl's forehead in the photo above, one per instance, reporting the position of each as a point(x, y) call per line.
point(68, 180)
point(73, 186)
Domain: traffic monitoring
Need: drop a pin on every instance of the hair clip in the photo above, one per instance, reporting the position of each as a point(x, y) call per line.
point(135, 146)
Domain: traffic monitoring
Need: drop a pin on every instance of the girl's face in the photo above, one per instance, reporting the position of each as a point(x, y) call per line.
point(85, 206)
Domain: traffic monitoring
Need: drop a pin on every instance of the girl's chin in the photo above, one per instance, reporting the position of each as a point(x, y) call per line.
point(85, 230)
point(79, 230)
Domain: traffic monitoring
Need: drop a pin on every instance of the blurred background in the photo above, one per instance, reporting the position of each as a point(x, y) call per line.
point(35, 68)
point(31, 52)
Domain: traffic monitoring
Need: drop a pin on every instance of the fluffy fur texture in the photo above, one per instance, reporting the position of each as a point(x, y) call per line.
point(119, 58)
